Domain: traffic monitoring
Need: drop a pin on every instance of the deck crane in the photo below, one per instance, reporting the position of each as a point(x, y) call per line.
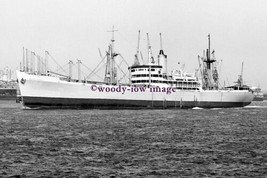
point(136, 61)
point(150, 56)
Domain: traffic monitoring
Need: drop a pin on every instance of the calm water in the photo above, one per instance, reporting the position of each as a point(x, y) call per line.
point(133, 143)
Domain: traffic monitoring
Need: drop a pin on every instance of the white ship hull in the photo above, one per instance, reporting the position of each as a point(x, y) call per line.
point(51, 92)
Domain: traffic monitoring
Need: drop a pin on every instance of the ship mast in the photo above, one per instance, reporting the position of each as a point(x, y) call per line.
point(46, 62)
point(23, 61)
point(240, 77)
point(209, 61)
point(136, 61)
point(27, 62)
point(210, 76)
point(150, 56)
point(70, 69)
point(111, 74)
point(242, 73)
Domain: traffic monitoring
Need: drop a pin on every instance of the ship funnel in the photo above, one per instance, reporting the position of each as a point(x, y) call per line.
point(162, 58)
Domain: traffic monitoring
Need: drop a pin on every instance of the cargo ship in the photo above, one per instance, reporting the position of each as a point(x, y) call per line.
point(150, 86)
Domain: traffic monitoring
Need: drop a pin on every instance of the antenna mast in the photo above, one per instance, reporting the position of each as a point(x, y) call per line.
point(113, 39)
point(136, 61)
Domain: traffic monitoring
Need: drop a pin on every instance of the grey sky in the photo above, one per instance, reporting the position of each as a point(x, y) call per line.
point(71, 29)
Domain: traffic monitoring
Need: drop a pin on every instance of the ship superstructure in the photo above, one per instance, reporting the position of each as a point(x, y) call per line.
point(154, 73)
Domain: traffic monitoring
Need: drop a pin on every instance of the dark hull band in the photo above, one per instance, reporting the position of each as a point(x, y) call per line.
point(63, 103)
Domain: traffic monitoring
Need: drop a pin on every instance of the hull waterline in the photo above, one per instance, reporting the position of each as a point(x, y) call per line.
point(70, 103)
